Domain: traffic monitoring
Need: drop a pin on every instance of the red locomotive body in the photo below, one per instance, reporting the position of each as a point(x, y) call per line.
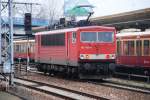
point(79, 50)
point(133, 52)
point(21, 50)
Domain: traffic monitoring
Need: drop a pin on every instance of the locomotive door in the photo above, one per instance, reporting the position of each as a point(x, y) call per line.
point(71, 48)
point(68, 45)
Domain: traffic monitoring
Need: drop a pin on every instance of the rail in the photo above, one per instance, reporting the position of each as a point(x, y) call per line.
point(125, 86)
point(56, 90)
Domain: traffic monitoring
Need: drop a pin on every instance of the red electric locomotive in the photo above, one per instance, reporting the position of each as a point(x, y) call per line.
point(88, 52)
point(21, 50)
point(133, 52)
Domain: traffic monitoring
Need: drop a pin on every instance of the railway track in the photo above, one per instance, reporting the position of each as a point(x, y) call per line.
point(56, 90)
point(121, 85)
point(125, 86)
point(115, 84)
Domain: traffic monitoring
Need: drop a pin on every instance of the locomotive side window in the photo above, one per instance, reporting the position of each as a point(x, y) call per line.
point(146, 47)
point(53, 39)
point(139, 47)
point(105, 36)
point(73, 37)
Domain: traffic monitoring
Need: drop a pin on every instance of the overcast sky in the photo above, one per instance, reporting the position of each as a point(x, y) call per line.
point(101, 7)
point(108, 7)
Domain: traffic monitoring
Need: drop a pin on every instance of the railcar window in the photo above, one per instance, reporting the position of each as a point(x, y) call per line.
point(53, 40)
point(32, 47)
point(146, 47)
point(118, 47)
point(17, 48)
point(24, 47)
point(14, 47)
point(139, 47)
point(89, 36)
point(105, 36)
point(21, 48)
point(129, 48)
point(125, 48)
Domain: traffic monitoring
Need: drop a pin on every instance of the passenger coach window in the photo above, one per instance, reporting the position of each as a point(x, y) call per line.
point(88, 36)
point(129, 48)
point(146, 47)
point(53, 40)
point(139, 47)
point(17, 48)
point(105, 36)
point(119, 47)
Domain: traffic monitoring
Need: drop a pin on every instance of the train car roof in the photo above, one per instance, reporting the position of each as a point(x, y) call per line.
point(123, 34)
point(71, 29)
point(19, 41)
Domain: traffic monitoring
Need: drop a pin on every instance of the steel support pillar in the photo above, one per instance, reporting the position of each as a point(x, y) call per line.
point(6, 40)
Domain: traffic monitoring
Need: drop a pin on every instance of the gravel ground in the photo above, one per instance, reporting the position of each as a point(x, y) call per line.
point(107, 92)
point(30, 94)
point(26, 93)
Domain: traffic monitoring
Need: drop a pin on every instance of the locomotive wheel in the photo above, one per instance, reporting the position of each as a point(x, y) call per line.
point(45, 69)
point(112, 68)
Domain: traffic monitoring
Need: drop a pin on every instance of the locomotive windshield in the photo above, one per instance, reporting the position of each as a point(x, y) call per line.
point(89, 36)
point(97, 36)
point(105, 36)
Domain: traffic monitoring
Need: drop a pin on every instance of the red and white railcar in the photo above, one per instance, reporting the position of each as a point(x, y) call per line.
point(21, 50)
point(87, 51)
point(133, 52)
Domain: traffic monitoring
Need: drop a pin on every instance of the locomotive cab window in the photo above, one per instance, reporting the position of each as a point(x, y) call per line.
point(97, 37)
point(88, 37)
point(73, 37)
point(105, 36)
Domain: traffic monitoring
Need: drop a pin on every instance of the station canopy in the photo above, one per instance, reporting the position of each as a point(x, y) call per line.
point(133, 19)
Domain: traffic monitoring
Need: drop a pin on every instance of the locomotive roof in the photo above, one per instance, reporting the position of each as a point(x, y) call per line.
point(123, 34)
point(71, 29)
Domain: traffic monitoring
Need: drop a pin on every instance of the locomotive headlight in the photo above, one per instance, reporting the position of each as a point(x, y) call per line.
point(113, 56)
point(81, 56)
point(107, 56)
point(87, 56)
point(84, 56)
